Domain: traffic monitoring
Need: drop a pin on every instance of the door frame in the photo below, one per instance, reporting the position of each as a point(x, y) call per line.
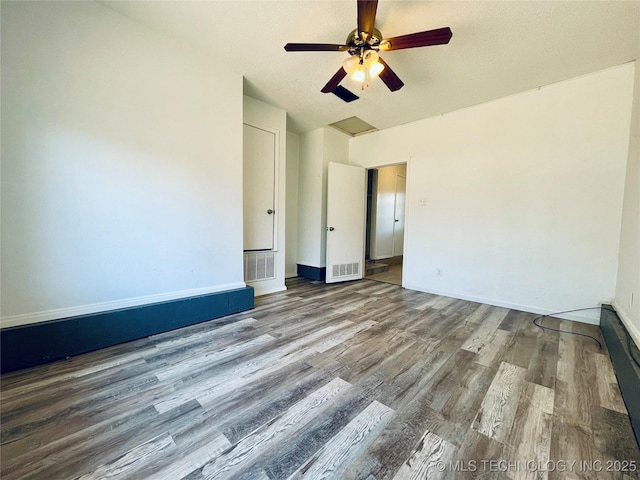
point(405, 250)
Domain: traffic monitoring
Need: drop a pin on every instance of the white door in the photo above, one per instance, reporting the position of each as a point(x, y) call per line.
point(258, 188)
point(398, 215)
point(346, 210)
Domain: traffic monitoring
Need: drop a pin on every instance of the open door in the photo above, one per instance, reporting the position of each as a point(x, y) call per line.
point(346, 210)
point(398, 215)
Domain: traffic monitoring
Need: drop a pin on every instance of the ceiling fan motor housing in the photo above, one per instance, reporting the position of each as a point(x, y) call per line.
point(357, 44)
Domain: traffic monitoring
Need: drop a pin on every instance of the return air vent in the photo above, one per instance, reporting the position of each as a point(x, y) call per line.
point(259, 266)
point(345, 269)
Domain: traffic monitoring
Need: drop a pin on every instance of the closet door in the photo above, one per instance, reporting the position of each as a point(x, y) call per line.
point(259, 150)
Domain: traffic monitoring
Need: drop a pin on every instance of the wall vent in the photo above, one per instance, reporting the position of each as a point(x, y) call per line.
point(259, 266)
point(345, 269)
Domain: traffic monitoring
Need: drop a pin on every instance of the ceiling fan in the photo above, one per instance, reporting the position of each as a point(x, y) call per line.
point(363, 45)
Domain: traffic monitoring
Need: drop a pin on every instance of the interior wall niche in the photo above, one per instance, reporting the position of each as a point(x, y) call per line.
point(264, 195)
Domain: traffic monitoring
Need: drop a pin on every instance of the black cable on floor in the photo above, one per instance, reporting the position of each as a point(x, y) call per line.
point(629, 347)
point(535, 322)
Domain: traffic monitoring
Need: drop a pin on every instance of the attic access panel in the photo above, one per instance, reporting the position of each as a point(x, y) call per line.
point(353, 126)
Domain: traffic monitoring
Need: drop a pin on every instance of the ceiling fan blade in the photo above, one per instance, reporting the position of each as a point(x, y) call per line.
point(421, 39)
point(366, 16)
point(389, 77)
point(344, 94)
point(335, 81)
point(315, 47)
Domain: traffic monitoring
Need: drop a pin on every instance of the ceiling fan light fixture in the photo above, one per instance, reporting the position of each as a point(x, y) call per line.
point(350, 64)
point(376, 69)
point(359, 74)
point(369, 57)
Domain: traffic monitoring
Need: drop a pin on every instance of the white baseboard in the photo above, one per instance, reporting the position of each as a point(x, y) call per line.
point(634, 332)
point(34, 317)
point(576, 317)
point(259, 291)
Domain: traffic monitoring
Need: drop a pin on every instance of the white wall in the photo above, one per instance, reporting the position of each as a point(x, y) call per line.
point(628, 281)
point(310, 199)
point(293, 156)
point(317, 149)
point(524, 195)
point(121, 165)
point(260, 114)
point(384, 210)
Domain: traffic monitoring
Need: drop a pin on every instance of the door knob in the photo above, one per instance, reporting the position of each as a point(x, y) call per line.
point(331, 229)
point(269, 212)
point(396, 220)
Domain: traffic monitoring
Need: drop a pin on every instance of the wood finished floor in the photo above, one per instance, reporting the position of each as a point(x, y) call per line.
point(359, 380)
point(393, 275)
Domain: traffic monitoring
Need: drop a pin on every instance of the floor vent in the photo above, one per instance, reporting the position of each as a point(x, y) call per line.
point(259, 266)
point(345, 269)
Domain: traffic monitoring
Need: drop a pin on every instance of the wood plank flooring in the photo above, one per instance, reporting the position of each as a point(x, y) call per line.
point(392, 275)
point(363, 380)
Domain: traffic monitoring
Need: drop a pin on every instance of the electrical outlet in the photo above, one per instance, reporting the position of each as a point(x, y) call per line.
point(422, 202)
point(438, 272)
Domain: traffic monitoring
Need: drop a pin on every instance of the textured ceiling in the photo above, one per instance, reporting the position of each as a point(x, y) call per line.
point(498, 48)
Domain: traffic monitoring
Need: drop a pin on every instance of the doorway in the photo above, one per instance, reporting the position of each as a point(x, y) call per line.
point(384, 245)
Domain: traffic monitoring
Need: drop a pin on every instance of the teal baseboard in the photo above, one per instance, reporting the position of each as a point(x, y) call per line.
point(312, 273)
point(628, 374)
point(34, 344)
